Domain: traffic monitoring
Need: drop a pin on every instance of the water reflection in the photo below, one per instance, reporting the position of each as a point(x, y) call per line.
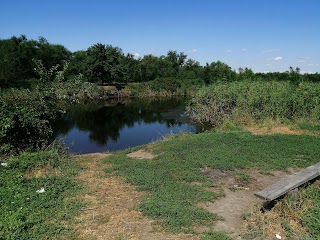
point(96, 127)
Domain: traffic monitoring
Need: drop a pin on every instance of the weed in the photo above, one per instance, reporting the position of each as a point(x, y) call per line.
point(244, 177)
point(27, 214)
point(215, 236)
point(251, 101)
point(296, 216)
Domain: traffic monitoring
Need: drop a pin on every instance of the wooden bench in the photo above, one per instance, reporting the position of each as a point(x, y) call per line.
point(288, 183)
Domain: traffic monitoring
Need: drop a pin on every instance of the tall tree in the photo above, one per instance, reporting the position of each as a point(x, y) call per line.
point(105, 63)
point(218, 71)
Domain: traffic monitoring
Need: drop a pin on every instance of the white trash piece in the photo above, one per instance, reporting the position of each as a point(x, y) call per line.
point(41, 190)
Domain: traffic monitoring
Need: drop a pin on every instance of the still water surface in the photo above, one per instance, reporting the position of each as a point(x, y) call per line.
point(107, 126)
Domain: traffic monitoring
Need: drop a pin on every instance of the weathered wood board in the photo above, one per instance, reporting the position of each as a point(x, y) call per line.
point(290, 182)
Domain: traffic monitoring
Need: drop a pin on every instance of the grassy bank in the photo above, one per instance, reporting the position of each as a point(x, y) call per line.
point(36, 196)
point(170, 177)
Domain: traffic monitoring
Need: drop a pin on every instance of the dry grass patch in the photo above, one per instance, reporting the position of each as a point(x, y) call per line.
point(111, 203)
point(141, 154)
point(273, 130)
point(285, 219)
point(36, 172)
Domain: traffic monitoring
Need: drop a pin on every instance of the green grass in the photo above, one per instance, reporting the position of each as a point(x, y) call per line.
point(26, 214)
point(298, 212)
point(169, 177)
point(214, 236)
point(312, 217)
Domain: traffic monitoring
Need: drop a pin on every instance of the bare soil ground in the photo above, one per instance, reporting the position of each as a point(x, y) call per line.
point(110, 212)
point(239, 197)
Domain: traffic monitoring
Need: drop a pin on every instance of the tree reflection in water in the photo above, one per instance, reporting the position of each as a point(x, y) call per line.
point(132, 122)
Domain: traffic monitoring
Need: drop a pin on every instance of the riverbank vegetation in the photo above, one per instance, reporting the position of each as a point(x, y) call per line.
point(37, 179)
point(247, 101)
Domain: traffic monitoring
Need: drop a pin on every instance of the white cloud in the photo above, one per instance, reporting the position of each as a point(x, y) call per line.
point(228, 51)
point(136, 54)
point(268, 64)
point(244, 49)
point(278, 59)
point(193, 51)
point(302, 61)
point(311, 64)
point(270, 50)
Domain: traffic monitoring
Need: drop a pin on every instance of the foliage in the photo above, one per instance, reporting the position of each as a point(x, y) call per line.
point(105, 63)
point(218, 72)
point(16, 56)
point(26, 214)
point(169, 176)
point(276, 100)
point(45, 75)
point(24, 118)
point(108, 64)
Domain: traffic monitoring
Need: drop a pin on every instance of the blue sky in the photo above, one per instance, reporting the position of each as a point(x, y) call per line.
point(265, 35)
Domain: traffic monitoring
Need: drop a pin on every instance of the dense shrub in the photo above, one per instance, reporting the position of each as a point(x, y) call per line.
point(24, 120)
point(276, 100)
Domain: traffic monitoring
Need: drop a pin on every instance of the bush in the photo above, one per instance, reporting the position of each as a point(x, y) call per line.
point(276, 100)
point(24, 120)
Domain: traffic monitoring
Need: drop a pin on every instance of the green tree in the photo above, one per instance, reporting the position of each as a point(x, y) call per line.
point(191, 69)
point(16, 56)
point(245, 74)
point(150, 67)
point(105, 63)
point(52, 54)
point(77, 63)
point(174, 61)
point(218, 72)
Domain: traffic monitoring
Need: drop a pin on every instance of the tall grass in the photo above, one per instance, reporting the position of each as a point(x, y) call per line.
point(258, 100)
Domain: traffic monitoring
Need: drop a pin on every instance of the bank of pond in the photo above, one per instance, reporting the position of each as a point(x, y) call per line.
point(102, 126)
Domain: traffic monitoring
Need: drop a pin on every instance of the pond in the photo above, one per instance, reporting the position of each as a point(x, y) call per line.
point(111, 126)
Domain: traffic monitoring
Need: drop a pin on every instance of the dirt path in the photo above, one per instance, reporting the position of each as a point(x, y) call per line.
point(110, 207)
point(239, 197)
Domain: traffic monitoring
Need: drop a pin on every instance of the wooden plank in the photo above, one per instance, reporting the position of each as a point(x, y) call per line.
point(288, 183)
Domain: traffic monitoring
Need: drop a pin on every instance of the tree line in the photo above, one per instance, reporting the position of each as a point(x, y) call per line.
point(106, 64)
